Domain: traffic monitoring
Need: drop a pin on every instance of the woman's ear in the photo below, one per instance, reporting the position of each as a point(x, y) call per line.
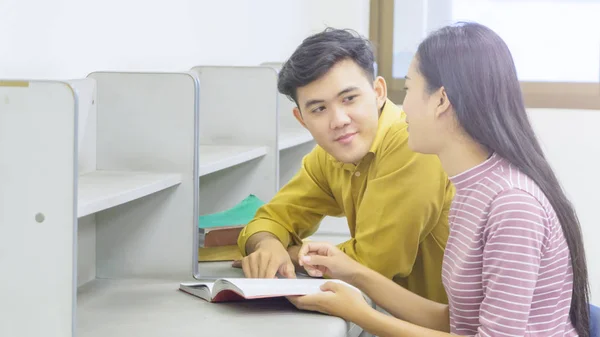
point(443, 104)
point(380, 87)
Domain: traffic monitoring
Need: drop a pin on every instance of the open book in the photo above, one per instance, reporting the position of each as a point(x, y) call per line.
point(238, 289)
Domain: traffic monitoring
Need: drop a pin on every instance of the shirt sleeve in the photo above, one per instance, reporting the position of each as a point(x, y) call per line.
point(298, 207)
point(400, 207)
point(513, 242)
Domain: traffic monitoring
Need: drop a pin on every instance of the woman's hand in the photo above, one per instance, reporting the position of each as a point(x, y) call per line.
point(336, 299)
point(324, 259)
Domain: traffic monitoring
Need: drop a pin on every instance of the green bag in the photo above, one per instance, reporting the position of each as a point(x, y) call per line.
point(238, 215)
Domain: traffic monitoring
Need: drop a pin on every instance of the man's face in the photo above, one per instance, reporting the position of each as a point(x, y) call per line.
point(341, 110)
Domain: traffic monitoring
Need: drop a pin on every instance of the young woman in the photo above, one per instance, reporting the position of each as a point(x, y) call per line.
point(514, 264)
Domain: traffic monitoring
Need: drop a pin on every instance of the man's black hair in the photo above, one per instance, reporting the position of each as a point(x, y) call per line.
point(319, 53)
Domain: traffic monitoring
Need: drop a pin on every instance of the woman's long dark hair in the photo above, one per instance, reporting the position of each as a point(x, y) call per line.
point(476, 69)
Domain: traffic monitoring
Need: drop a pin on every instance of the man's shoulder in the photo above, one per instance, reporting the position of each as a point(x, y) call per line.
point(318, 156)
point(318, 161)
point(395, 153)
point(395, 131)
point(394, 138)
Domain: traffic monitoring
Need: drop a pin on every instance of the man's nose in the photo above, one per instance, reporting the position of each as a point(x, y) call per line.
point(339, 118)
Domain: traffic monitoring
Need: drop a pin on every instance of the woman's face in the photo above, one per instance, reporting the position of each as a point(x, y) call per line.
point(425, 112)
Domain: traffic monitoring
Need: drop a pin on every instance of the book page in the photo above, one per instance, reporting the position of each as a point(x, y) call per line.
point(200, 285)
point(253, 288)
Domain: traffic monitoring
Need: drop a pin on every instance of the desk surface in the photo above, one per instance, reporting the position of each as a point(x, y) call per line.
point(153, 308)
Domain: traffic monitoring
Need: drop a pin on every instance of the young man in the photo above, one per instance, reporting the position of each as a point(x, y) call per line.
point(396, 201)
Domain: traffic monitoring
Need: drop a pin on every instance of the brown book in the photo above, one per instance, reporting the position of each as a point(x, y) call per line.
point(222, 253)
point(221, 236)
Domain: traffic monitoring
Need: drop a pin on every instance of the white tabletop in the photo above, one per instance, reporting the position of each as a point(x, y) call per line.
point(153, 308)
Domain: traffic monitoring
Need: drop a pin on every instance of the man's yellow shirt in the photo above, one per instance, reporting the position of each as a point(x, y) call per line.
point(396, 202)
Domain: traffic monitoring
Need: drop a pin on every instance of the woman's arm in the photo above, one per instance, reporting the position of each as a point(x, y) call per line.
point(348, 303)
point(382, 325)
point(324, 259)
point(402, 303)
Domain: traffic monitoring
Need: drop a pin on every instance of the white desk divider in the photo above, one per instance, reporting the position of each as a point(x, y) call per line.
point(140, 193)
point(37, 208)
point(38, 223)
point(238, 137)
point(145, 186)
point(85, 89)
point(294, 140)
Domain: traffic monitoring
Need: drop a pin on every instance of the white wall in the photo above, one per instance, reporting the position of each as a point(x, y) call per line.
point(571, 143)
point(71, 38)
point(532, 37)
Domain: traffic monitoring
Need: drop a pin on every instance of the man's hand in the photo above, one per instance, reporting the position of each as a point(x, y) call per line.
point(292, 252)
point(267, 259)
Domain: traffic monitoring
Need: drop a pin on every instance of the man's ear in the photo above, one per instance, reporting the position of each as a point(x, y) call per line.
point(298, 116)
point(380, 87)
point(443, 103)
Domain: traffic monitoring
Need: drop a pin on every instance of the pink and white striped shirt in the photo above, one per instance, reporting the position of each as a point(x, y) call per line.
point(506, 270)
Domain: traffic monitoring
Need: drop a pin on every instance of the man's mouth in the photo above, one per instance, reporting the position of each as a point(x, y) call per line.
point(346, 138)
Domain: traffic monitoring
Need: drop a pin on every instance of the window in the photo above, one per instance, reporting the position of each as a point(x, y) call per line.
point(555, 43)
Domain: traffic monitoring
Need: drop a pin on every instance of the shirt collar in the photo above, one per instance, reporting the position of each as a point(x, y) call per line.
point(477, 173)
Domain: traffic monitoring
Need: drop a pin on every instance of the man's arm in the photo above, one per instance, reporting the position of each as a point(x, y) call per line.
point(401, 205)
point(296, 210)
point(257, 238)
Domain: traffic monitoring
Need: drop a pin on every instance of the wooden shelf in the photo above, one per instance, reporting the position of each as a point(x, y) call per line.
point(214, 158)
point(291, 138)
point(101, 190)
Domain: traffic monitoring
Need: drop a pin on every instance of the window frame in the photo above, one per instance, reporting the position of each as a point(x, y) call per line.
point(559, 95)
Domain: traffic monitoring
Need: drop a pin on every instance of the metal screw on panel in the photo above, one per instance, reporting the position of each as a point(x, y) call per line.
point(40, 217)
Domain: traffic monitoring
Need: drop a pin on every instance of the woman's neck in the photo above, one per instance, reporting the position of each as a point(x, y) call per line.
point(462, 154)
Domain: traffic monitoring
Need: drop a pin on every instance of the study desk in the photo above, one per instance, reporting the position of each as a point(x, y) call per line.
point(153, 308)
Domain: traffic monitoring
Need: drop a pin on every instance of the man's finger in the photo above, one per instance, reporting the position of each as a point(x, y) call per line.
point(236, 264)
point(288, 270)
point(270, 269)
point(246, 267)
point(253, 262)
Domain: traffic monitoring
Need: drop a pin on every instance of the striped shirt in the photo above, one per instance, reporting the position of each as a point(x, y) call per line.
point(506, 269)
